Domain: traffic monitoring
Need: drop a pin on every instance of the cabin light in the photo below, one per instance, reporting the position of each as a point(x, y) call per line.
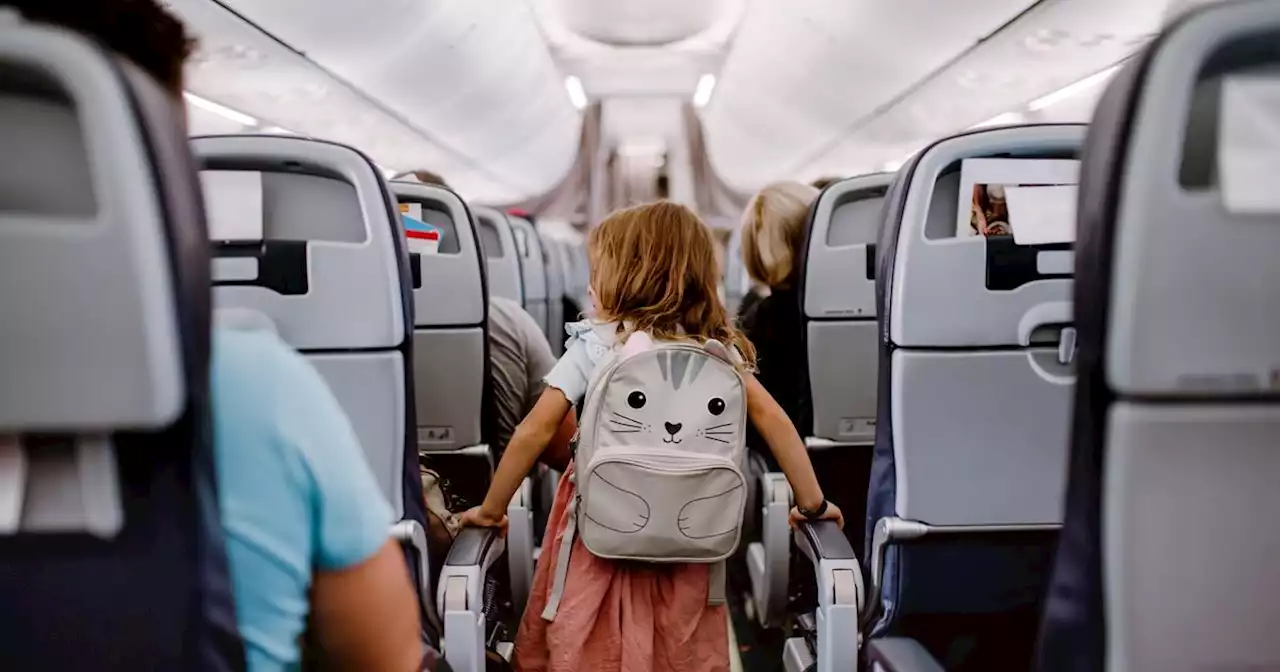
point(702, 94)
point(220, 110)
point(1073, 89)
point(577, 95)
point(277, 130)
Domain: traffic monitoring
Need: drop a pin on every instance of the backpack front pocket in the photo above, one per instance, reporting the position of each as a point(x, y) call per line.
point(659, 505)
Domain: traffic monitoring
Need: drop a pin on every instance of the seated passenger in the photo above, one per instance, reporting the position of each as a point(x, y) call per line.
point(772, 235)
point(654, 274)
point(306, 524)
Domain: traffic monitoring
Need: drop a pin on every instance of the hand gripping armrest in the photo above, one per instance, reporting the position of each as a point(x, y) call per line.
point(839, 582)
point(900, 654)
point(461, 596)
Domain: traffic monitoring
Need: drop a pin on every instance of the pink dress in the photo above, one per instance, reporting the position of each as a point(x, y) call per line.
point(619, 617)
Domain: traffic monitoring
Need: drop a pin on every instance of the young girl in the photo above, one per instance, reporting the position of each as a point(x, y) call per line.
point(654, 271)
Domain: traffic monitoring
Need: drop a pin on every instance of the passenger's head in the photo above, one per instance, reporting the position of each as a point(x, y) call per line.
point(773, 231)
point(428, 177)
point(138, 30)
point(654, 267)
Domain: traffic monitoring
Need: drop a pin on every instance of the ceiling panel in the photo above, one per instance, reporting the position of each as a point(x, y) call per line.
point(1054, 45)
point(467, 89)
point(800, 73)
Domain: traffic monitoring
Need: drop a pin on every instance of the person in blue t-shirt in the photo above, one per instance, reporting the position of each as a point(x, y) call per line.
point(307, 527)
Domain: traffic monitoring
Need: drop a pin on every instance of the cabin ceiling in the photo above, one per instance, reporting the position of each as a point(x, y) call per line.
point(476, 90)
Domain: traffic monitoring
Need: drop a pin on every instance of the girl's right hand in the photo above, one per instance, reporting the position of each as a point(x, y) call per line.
point(832, 513)
point(477, 517)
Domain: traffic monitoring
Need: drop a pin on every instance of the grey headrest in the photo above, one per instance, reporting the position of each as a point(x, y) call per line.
point(448, 287)
point(975, 291)
point(498, 242)
point(89, 338)
point(327, 269)
point(839, 271)
point(556, 276)
point(1195, 297)
point(535, 264)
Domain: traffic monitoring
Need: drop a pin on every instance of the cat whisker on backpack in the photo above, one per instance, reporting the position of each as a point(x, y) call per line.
point(625, 425)
point(716, 438)
point(626, 431)
point(630, 420)
point(727, 424)
point(723, 432)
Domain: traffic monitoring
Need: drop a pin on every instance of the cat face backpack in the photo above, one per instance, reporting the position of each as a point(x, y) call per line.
point(660, 459)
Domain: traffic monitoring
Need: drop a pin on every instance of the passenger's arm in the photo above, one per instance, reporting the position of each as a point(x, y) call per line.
point(366, 616)
point(529, 440)
point(788, 448)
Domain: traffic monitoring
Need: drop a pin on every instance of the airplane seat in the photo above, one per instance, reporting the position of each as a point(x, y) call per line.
point(308, 242)
point(534, 268)
point(581, 275)
point(1164, 563)
point(976, 377)
point(498, 242)
point(557, 295)
point(454, 415)
point(111, 552)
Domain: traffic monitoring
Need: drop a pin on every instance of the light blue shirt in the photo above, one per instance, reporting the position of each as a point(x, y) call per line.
point(296, 493)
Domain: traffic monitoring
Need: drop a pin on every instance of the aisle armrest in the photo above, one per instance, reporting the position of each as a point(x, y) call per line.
point(840, 593)
point(900, 654)
point(461, 596)
point(520, 544)
point(769, 560)
point(411, 536)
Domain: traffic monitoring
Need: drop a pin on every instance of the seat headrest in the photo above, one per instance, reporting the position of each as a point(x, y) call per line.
point(838, 262)
point(1185, 222)
point(939, 289)
point(91, 334)
point(536, 263)
point(307, 233)
point(449, 286)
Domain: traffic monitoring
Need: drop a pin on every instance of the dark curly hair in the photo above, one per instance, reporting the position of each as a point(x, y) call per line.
point(140, 30)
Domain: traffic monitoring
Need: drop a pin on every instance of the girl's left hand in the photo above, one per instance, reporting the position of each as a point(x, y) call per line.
point(476, 517)
point(832, 513)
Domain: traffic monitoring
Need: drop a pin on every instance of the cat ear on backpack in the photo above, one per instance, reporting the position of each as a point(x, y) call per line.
point(714, 347)
point(638, 341)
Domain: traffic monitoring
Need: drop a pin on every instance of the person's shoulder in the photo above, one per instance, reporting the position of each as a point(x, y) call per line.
point(257, 355)
point(509, 314)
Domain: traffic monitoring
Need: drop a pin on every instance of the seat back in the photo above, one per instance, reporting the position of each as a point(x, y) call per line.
point(557, 295)
point(533, 266)
point(838, 302)
point(1177, 414)
point(498, 243)
point(451, 346)
point(323, 258)
point(976, 377)
point(111, 553)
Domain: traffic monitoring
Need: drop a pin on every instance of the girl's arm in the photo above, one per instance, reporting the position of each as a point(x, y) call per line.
point(788, 448)
point(527, 442)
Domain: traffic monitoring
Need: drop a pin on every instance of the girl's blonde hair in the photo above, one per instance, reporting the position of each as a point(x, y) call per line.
point(773, 231)
point(653, 266)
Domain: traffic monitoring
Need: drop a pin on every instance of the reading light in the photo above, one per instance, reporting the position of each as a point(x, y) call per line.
point(702, 94)
point(1073, 89)
point(220, 110)
point(576, 94)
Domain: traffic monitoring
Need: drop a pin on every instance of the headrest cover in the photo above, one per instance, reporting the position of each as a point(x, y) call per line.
point(949, 291)
point(839, 259)
point(89, 337)
point(1195, 293)
point(449, 288)
point(328, 271)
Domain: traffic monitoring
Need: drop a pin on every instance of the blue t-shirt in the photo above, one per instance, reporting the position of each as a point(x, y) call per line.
point(296, 493)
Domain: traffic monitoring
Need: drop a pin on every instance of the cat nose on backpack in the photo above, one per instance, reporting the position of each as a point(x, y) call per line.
point(672, 429)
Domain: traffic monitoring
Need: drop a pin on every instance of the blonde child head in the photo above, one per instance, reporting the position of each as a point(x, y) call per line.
point(653, 268)
point(773, 231)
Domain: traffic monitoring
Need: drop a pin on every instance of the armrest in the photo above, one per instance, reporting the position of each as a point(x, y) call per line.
point(473, 546)
point(460, 595)
point(412, 536)
point(901, 654)
point(520, 544)
point(823, 540)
